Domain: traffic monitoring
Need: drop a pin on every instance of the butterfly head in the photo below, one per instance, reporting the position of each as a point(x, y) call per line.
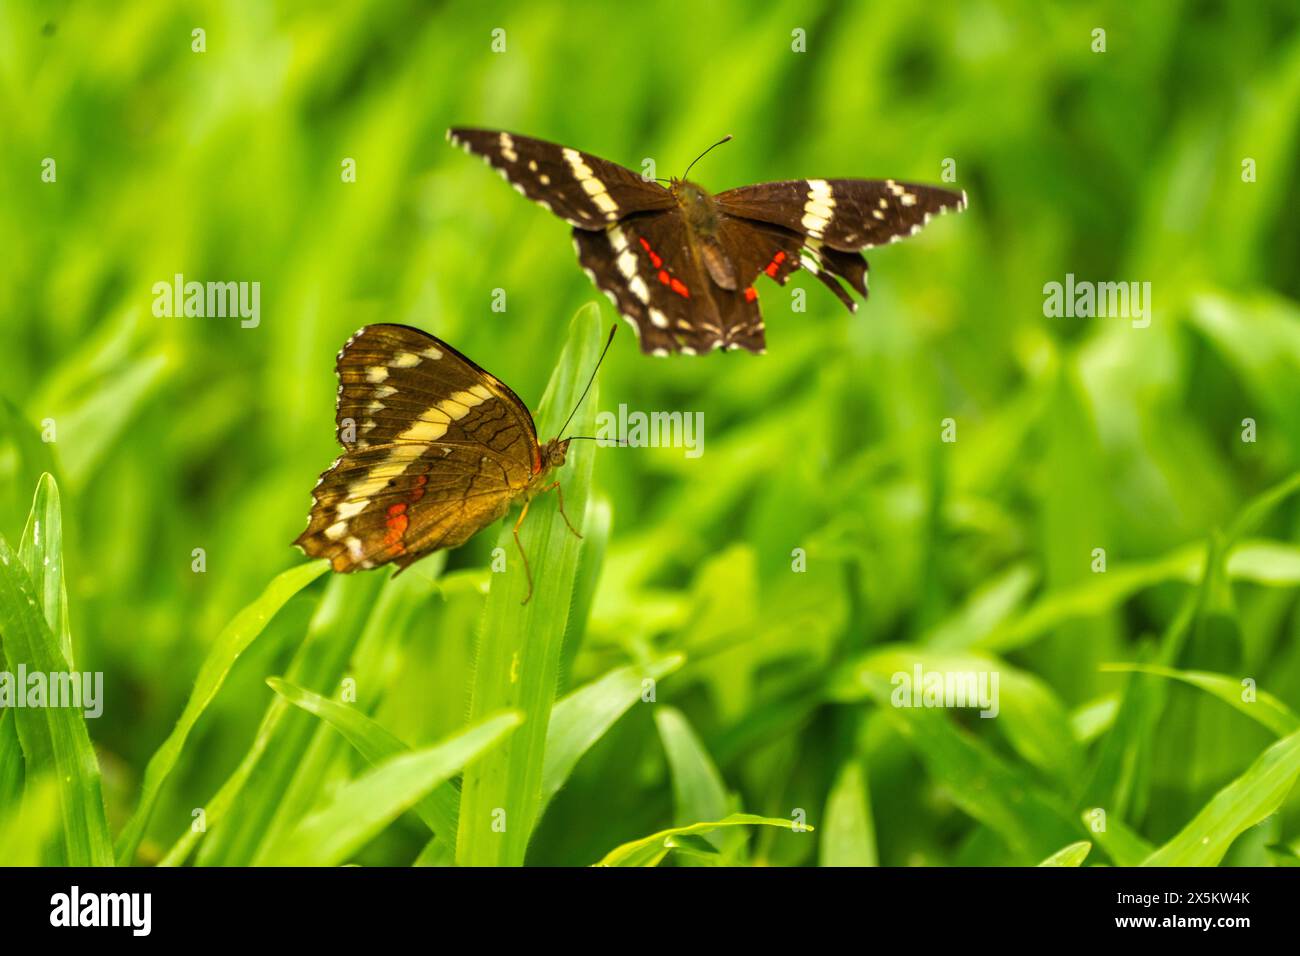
point(695, 203)
point(553, 453)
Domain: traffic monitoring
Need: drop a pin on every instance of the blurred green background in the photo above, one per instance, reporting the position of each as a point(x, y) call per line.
point(1072, 434)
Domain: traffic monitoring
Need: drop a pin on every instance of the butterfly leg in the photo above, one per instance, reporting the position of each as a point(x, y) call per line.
point(559, 491)
point(527, 570)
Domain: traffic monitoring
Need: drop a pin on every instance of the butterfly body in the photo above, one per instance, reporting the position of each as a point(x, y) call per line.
point(680, 263)
point(435, 449)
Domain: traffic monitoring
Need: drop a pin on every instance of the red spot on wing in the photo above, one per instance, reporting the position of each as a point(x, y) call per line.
point(750, 294)
point(418, 492)
point(397, 523)
point(654, 259)
point(775, 264)
point(680, 288)
point(663, 277)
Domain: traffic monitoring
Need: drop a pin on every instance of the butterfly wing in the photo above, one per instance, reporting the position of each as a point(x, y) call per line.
point(834, 219)
point(656, 274)
point(843, 214)
point(435, 449)
point(586, 191)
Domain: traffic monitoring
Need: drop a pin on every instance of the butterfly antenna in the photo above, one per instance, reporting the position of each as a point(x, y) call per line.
point(608, 342)
point(611, 441)
point(725, 139)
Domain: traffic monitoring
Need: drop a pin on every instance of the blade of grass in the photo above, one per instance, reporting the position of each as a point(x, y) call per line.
point(595, 541)
point(1246, 801)
point(1282, 855)
point(387, 619)
point(650, 850)
point(519, 646)
point(1266, 709)
point(252, 814)
point(1072, 855)
point(364, 807)
point(1031, 821)
point(54, 739)
point(577, 722)
point(233, 640)
point(438, 808)
point(699, 792)
point(11, 761)
point(41, 551)
point(30, 825)
point(1122, 845)
point(582, 718)
point(848, 836)
point(1028, 712)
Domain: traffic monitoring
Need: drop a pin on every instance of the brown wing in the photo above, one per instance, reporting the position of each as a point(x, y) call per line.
point(657, 278)
point(844, 214)
point(435, 449)
point(585, 190)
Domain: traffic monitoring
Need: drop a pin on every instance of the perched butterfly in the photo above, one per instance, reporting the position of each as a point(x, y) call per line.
point(680, 264)
point(435, 450)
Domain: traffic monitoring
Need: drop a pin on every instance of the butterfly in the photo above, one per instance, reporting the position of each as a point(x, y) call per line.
point(435, 450)
point(679, 263)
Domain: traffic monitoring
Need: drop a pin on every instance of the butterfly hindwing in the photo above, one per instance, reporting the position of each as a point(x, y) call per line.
point(435, 448)
point(844, 214)
point(585, 190)
point(657, 278)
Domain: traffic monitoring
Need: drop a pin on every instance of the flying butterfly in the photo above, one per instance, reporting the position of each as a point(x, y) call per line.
point(679, 263)
point(435, 450)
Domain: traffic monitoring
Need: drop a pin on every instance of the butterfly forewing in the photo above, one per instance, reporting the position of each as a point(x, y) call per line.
point(435, 448)
point(844, 214)
point(585, 190)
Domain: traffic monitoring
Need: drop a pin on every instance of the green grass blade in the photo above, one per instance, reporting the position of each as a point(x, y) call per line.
point(848, 837)
point(1072, 855)
point(519, 646)
point(233, 641)
point(41, 551)
point(318, 752)
point(582, 717)
point(331, 635)
point(699, 792)
point(595, 541)
point(1030, 820)
point(1265, 709)
point(31, 825)
point(438, 808)
point(54, 739)
point(362, 808)
point(1246, 801)
point(649, 851)
point(263, 802)
point(1122, 845)
point(1029, 713)
point(11, 761)
point(1280, 855)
